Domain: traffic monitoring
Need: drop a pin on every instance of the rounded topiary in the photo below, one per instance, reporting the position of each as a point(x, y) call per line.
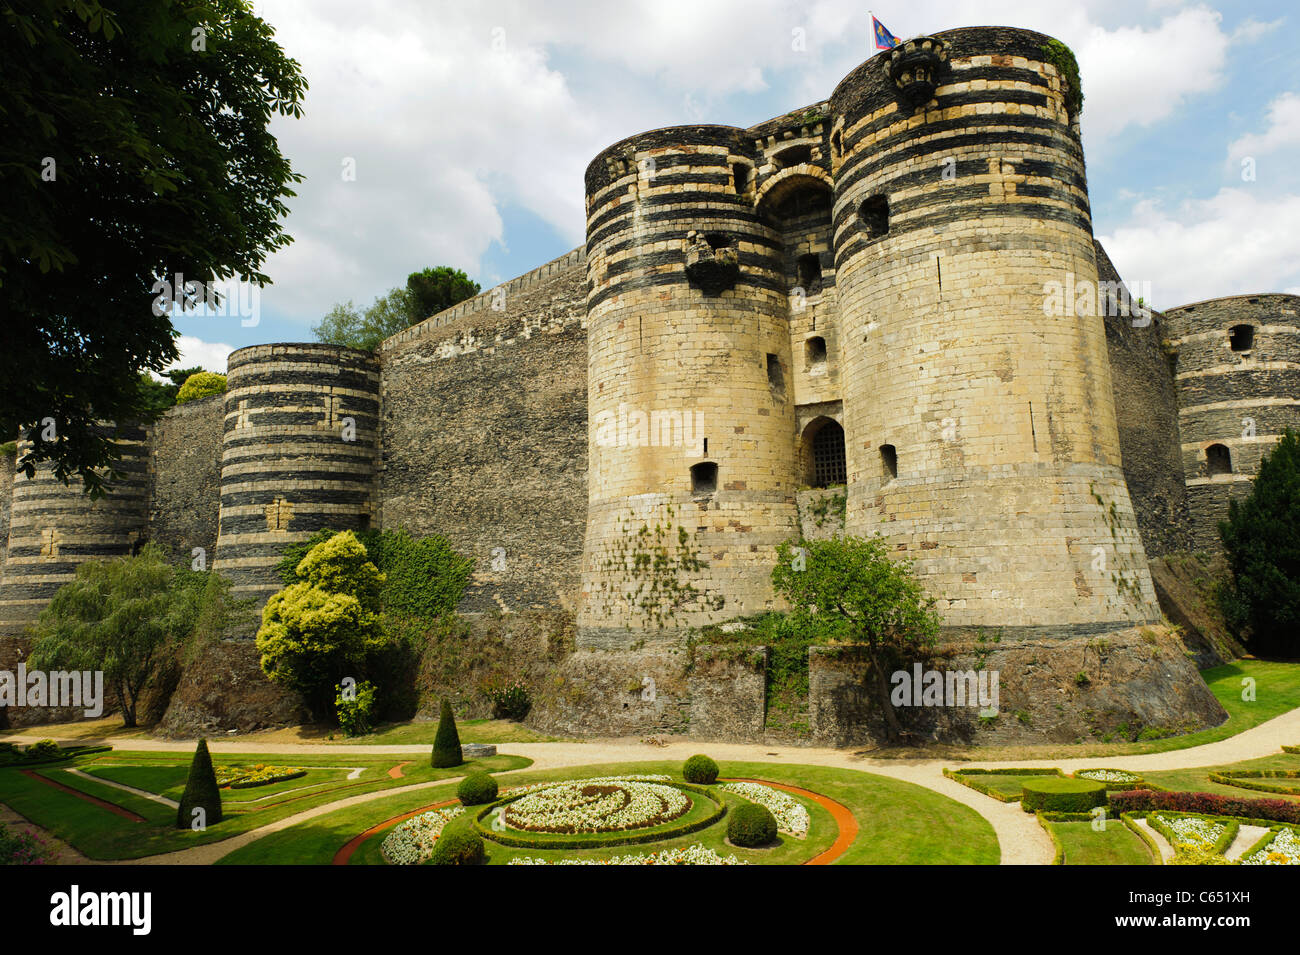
point(751, 825)
point(1061, 794)
point(201, 791)
point(446, 744)
point(201, 384)
point(700, 770)
point(43, 749)
point(458, 844)
point(477, 789)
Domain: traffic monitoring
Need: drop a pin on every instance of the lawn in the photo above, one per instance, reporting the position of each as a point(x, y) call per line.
point(100, 834)
point(899, 823)
point(1198, 779)
point(1115, 845)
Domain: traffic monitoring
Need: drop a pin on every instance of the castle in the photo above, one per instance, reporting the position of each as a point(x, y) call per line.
point(837, 319)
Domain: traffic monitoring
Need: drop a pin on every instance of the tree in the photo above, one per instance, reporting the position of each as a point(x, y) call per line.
point(434, 289)
point(120, 616)
point(320, 629)
point(136, 146)
point(1262, 540)
point(446, 742)
point(201, 791)
point(851, 581)
point(161, 395)
point(203, 384)
point(386, 316)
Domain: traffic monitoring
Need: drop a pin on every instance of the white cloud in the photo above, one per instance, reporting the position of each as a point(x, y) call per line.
point(1251, 29)
point(211, 356)
point(1283, 130)
point(1235, 242)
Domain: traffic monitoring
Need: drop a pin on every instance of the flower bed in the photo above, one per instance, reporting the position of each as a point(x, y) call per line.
point(688, 855)
point(1113, 779)
point(596, 806)
point(790, 814)
point(1212, 804)
point(243, 777)
point(1190, 830)
point(412, 842)
point(1283, 848)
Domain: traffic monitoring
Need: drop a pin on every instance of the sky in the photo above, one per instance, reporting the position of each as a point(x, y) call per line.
point(439, 133)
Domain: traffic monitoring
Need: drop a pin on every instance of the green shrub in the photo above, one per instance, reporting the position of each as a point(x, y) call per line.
point(201, 791)
point(700, 770)
point(44, 749)
point(1061, 794)
point(511, 701)
point(751, 825)
point(477, 789)
point(459, 844)
point(24, 848)
point(203, 384)
point(446, 743)
point(355, 711)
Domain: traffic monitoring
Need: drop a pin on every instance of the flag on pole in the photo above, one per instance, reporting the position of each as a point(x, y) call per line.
point(884, 39)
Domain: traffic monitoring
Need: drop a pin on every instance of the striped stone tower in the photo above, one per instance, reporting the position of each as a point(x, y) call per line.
point(298, 454)
point(55, 526)
point(690, 471)
point(980, 430)
point(1237, 369)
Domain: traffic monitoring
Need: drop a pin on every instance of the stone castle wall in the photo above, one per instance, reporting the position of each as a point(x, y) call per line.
point(185, 478)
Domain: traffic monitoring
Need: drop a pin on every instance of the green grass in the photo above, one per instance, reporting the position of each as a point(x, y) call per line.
point(1115, 845)
point(101, 834)
point(900, 823)
point(1198, 779)
point(1005, 784)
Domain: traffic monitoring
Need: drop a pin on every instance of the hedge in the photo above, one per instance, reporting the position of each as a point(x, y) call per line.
point(962, 776)
point(1062, 794)
point(630, 838)
point(1209, 804)
point(254, 783)
point(1132, 824)
point(1239, 779)
point(1291, 749)
point(11, 756)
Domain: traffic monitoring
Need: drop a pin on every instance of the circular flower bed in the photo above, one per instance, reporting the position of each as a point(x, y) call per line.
point(1109, 775)
point(790, 814)
point(687, 855)
point(412, 842)
point(596, 805)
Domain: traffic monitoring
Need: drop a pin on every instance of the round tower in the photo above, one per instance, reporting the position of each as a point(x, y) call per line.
point(53, 527)
point(979, 423)
point(691, 470)
point(298, 454)
point(1237, 370)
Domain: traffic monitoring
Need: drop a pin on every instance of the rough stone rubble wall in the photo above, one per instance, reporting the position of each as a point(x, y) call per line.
point(185, 478)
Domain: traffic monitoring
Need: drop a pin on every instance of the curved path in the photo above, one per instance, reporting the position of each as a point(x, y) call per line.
point(1022, 840)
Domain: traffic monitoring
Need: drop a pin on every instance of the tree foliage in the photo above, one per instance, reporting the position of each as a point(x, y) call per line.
point(136, 145)
point(433, 290)
point(425, 293)
point(1262, 539)
point(122, 616)
point(203, 384)
point(446, 742)
point(319, 630)
point(851, 582)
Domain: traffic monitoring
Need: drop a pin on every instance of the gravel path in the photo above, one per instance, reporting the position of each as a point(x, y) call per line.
point(1022, 840)
point(1247, 836)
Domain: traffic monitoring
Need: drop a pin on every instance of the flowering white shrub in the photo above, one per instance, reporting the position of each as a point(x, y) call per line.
point(790, 814)
point(689, 855)
point(1283, 850)
point(411, 842)
point(596, 805)
point(1189, 831)
point(1109, 775)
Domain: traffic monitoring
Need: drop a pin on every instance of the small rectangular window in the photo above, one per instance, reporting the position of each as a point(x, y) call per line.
point(888, 462)
point(704, 478)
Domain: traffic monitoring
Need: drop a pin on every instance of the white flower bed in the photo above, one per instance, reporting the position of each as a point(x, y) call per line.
point(790, 814)
point(1190, 831)
point(411, 842)
point(690, 855)
point(1283, 850)
point(1109, 775)
point(596, 805)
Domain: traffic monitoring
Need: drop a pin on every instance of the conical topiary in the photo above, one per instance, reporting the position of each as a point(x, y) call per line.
point(201, 791)
point(446, 745)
